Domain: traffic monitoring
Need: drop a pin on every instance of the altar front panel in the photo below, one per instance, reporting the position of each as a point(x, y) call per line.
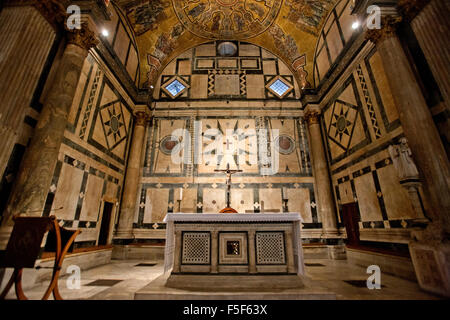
point(234, 247)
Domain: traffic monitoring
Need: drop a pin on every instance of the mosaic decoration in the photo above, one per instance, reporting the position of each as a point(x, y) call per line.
point(226, 19)
point(285, 43)
point(146, 15)
point(308, 15)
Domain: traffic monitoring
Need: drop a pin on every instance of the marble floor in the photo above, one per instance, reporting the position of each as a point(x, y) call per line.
point(132, 275)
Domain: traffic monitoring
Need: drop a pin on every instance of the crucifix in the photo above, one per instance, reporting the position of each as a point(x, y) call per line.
point(228, 173)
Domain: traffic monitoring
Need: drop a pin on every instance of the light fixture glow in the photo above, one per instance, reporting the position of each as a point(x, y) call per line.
point(355, 25)
point(105, 33)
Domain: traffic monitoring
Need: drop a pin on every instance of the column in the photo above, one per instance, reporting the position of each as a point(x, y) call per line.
point(251, 252)
point(214, 250)
point(429, 21)
point(289, 252)
point(36, 170)
point(324, 196)
point(416, 120)
point(130, 190)
point(25, 36)
point(429, 247)
point(177, 251)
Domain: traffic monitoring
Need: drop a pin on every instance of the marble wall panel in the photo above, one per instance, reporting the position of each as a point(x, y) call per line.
point(396, 199)
point(156, 204)
point(92, 199)
point(67, 192)
point(242, 200)
point(121, 44)
point(369, 206)
point(270, 199)
point(213, 200)
point(299, 201)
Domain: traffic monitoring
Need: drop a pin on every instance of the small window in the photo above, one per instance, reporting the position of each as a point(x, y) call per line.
point(279, 87)
point(175, 88)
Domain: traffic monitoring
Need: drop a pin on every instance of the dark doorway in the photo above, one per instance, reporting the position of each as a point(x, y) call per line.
point(350, 217)
point(106, 222)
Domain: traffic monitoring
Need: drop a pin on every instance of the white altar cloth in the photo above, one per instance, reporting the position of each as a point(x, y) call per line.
point(171, 218)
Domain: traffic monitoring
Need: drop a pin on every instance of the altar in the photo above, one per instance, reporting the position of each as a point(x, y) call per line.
point(234, 251)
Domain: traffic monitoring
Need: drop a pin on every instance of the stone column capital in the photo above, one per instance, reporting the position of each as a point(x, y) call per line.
point(83, 37)
point(388, 28)
point(142, 117)
point(409, 9)
point(53, 11)
point(312, 117)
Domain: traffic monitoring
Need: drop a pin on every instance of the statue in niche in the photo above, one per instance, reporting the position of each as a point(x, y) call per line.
point(403, 163)
point(408, 176)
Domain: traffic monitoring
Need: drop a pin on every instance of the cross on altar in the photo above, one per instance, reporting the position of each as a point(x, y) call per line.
point(228, 172)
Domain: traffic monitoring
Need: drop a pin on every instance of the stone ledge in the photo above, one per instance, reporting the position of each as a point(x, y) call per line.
point(156, 290)
point(399, 266)
point(138, 251)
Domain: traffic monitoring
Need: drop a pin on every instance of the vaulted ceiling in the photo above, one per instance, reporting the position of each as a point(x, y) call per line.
point(166, 28)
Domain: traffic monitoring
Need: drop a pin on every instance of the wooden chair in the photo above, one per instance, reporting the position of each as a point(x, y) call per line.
point(24, 248)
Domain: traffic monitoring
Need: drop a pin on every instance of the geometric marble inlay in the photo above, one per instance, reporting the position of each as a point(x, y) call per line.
point(342, 123)
point(270, 248)
point(196, 248)
point(113, 124)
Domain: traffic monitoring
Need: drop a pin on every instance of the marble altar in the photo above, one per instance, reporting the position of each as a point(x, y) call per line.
point(234, 251)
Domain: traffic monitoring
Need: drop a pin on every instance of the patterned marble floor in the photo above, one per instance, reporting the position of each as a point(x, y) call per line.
point(132, 275)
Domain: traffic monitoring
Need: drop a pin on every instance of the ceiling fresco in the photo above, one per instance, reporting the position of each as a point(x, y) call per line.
point(166, 28)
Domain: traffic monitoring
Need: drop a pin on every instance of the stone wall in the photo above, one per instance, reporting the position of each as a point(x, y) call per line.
point(92, 158)
point(360, 121)
point(230, 95)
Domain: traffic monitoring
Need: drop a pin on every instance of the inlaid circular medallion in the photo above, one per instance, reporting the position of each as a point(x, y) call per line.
point(284, 144)
point(115, 124)
point(341, 124)
point(168, 145)
point(227, 19)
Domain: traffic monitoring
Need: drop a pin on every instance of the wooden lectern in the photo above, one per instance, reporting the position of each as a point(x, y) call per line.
point(24, 248)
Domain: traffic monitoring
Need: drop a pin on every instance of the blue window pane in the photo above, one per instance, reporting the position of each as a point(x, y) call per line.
point(279, 87)
point(175, 87)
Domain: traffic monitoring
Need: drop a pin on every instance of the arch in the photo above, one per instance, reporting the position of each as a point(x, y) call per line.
point(297, 73)
point(251, 61)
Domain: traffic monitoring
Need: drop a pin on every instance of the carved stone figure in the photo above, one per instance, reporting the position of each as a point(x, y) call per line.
point(403, 163)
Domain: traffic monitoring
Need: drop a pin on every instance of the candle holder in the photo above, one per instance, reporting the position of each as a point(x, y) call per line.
point(179, 205)
point(285, 207)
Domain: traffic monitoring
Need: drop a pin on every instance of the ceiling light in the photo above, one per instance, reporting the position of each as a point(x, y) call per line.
point(105, 33)
point(355, 25)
